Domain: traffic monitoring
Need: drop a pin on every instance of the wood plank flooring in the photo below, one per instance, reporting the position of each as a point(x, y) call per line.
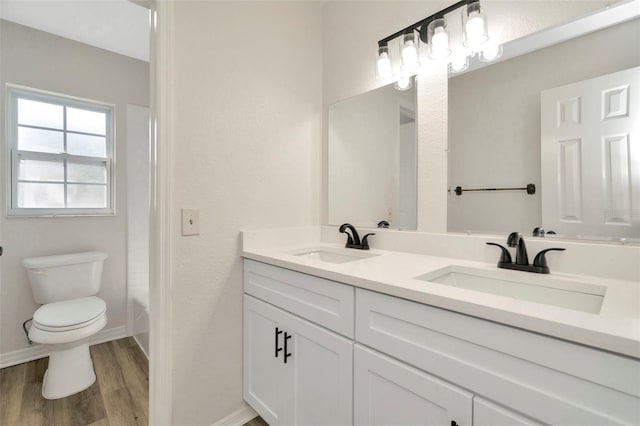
point(119, 397)
point(258, 421)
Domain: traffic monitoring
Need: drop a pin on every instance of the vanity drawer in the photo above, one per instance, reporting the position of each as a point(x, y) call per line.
point(327, 303)
point(551, 380)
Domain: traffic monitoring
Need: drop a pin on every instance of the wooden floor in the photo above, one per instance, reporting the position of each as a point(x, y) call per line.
point(256, 422)
point(120, 396)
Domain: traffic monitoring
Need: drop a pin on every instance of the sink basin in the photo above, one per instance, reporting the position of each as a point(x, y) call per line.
point(537, 288)
point(332, 255)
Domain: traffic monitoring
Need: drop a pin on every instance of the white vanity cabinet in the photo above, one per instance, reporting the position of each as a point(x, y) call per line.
point(486, 413)
point(389, 392)
point(532, 376)
point(366, 358)
point(296, 372)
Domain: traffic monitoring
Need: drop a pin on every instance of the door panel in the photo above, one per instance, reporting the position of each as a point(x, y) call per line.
point(590, 152)
point(265, 378)
point(388, 392)
point(486, 413)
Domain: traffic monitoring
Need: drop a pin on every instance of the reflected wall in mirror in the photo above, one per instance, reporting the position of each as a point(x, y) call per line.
point(586, 169)
point(372, 159)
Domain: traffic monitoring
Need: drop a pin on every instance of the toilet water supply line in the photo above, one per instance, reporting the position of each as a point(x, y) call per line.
point(26, 332)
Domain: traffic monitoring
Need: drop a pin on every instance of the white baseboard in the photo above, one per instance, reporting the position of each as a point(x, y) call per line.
point(238, 417)
point(37, 351)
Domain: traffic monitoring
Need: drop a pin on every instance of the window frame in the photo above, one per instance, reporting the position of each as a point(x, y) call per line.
point(14, 93)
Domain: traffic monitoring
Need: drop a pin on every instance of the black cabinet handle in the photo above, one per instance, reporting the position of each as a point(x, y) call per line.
point(278, 333)
point(453, 423)
point(287, 336)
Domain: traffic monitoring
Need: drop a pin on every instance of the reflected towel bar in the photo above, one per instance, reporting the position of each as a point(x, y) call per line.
point(530, 188)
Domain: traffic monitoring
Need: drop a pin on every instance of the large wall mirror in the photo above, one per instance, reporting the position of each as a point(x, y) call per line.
point(372, 159)
point(564, 118)
point(558, 111)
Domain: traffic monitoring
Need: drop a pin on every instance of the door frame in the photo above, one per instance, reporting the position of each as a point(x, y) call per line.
point(160, 345)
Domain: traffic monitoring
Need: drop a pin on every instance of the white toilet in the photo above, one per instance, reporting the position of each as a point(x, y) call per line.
point(65, 285)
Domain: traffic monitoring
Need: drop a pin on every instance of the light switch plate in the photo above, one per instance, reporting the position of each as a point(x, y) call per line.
point(190, 222)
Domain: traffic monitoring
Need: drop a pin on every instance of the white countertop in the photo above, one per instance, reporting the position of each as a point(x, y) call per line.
point(616, 328)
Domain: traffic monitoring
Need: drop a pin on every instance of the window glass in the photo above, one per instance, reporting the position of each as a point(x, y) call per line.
point(86, 196)
point(60, 154)
point(89, 146)
point(40, 195)
point(38, 140)
point(82, 120)
point(88, 173)
point(40, 114)
point(36, 170)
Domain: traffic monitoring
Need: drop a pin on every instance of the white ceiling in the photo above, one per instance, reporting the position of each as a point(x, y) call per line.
point(116, 25)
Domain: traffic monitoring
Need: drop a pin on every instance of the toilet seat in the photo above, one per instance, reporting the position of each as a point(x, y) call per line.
point(69, 314)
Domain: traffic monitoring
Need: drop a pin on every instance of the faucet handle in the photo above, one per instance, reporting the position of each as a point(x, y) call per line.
point(365, 242)
point(505, 256)
point(540, 260)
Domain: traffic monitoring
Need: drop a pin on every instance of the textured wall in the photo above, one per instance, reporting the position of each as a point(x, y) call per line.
point(247, 113)
point(43, 61)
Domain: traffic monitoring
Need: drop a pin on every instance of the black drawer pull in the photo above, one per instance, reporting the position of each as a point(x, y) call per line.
point(278, 333)
point(286, 340)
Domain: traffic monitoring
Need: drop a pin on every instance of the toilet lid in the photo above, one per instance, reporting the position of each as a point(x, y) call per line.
point(69, 312)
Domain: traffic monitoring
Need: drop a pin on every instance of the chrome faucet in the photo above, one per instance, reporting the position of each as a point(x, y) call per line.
point(353, 239)
point(515, 239)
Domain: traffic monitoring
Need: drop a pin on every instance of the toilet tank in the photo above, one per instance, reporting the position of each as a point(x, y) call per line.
point(64, 277)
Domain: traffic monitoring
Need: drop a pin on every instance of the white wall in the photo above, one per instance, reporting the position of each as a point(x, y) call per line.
point(247, 142)
point(494, 125)
point(39, 60)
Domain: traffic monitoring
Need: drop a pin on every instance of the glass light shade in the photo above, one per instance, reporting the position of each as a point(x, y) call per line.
point(404, 82)
point(459, 63)
point(409, 52)
point(438, 39)
point(475, 26)
point(383, 65)
point(490, 52)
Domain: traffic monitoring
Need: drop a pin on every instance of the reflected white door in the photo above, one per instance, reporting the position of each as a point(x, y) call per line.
point(590, 154)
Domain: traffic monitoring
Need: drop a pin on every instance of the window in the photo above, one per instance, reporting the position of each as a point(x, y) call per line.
point(61, 155)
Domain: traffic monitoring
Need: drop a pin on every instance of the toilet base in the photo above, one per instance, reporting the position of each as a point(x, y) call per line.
point(70, 370)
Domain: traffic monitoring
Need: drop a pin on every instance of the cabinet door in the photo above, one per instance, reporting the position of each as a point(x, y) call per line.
point(389, 392)
point(314, 385)
point(265, 376)
point(321, 363)
point(486, 413)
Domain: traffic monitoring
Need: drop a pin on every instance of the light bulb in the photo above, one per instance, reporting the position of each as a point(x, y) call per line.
point(403, 83)
point(439, 39)
point(490, 52)
point(459, 63)
point(383, 66)
point(409, 53)
point(475, 26)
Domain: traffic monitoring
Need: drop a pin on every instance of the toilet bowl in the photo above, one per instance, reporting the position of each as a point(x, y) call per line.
point(69, 315)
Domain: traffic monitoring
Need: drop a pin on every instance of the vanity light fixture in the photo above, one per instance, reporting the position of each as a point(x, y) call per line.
point(434, 32)
point(475, 26)
point(404, 82)
point(438, 37)
point(383, 67)
point(409, 52)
